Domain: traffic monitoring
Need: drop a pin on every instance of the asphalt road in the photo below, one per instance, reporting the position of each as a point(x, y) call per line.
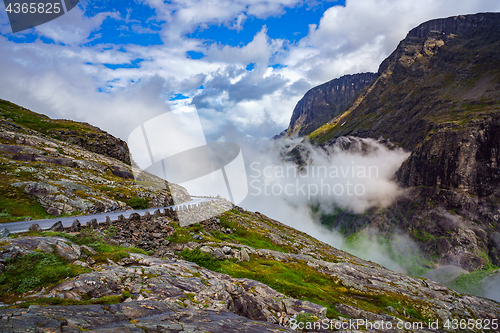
point(15, 227)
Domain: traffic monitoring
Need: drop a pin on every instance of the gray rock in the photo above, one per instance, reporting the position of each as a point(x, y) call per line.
point(108, 221)
point(69, 252)
point(244, 255)
point(35, 227)
point(88, 249)
point(58, 226)
point(134, 217)
point(53, 211)
point(92, 224)
point(226, 250)
point(217, 253)
point(4, 232)
point(131, 317)
point(76, 226)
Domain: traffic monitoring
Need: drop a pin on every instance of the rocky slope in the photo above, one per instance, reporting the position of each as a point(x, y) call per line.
point(322, 103)
point(438, 96)
point(43, 176)
point(84, 135)
point(252, 274)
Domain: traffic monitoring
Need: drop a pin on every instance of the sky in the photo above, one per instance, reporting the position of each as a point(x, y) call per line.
point(243, 65)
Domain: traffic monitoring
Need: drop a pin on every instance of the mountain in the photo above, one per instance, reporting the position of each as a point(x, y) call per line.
point(60, 167)
point(238, 271)
point(438, 96)
point(322, 103)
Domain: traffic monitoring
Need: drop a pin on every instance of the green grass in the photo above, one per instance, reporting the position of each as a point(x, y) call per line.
point(90, 238)
point(471, 283)
point(35, 270)
point(202, 259)
point(246, 236)
point(18, 205)
point(39, 122)
point(297, 280)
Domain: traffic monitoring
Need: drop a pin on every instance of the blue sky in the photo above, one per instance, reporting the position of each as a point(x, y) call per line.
point(242, 65)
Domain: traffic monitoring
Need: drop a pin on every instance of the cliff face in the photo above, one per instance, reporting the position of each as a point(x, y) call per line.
point(438, 96)
point(322, 103)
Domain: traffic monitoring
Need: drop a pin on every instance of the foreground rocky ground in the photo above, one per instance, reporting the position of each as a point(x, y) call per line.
point(238, 272)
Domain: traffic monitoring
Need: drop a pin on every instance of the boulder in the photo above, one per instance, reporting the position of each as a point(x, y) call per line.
point(244, 255)
point(92, 224)
point(35, 227)
point(76, 226)
point(226, 250)
point(135, 217)
point(58, 226)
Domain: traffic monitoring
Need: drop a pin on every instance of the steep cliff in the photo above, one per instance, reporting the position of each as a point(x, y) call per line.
point(322, 103)
point(438, 96)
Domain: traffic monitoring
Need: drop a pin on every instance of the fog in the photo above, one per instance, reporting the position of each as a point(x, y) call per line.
point(353, 175)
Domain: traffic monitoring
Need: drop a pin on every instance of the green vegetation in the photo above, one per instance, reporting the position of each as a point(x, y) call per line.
point(305, 318)
point(471, 283)
point(240, 234)
point(138, 203)
point(40, 122)
point(40, 269)
point(202, 259)
point(16, 205)
point(298, 280)
point(395, 249)
point(35, 270)
point(96, 241)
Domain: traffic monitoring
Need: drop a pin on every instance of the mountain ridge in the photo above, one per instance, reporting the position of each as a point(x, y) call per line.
point(324, 102)
point(438, 96)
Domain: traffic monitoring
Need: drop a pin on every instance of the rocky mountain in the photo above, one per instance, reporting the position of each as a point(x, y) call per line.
point(237, 272)
point(60, 167)
point(438, 96)
point(322, 103)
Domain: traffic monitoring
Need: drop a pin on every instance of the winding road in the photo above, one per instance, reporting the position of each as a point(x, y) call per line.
point(15, 227)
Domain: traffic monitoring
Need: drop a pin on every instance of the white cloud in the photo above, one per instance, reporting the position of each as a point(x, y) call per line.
point(357, 37)
point(57, 80)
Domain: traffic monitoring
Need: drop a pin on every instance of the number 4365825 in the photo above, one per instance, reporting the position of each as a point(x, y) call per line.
point(32, 8)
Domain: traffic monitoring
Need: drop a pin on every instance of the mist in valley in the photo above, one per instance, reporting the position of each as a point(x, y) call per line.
point(352, 175)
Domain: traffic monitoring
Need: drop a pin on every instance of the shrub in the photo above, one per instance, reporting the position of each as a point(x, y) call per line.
point(202, 259)
point(138, 203)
